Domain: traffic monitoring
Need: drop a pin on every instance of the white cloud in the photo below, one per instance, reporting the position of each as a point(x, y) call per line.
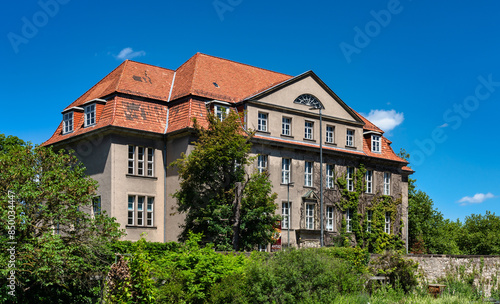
point(385, 120)
point(443, 125)
point(478, 198)
point(128, 53)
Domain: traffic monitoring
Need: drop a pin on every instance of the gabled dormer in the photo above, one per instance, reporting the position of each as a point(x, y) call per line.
point(71, 117)
point(374, 139)
point(91, 111)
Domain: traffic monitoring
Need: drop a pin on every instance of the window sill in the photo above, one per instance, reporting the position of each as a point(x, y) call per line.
point(141, 176)
point(286, 136)
point(66, 133)
point(309, 187)
point(291, 185)
point(87, 126)
point(140, 227)
point(351, 147)
point(309, 140)
point(330, 144)
point(264, 132)
point(378, 152)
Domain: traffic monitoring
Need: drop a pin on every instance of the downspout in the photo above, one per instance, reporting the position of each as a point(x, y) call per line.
point(165, 165)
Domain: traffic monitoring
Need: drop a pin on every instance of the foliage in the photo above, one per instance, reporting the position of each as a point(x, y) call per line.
point(209, 178)
point(60, 247)
point(402, 273)
point(481, 234)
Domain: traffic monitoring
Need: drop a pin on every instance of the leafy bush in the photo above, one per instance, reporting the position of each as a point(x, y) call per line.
point(402, 273)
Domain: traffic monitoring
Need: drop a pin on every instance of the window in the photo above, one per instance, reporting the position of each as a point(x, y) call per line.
point(348, 220)
point(330, 176)
point(309, 100)
point(369, 181)
point(308, 130)
point(285, 171)
point(286, 124)
point(220, 112)
point(369, 218)
point(309, 216)
point(262, 248)
point(329, 218)
point(350, 138)
point(90, 115)
point(140, 161)
point(387, 183)
point(96, 205)
point(262, 122)
point(330, 134)
point(376, 143)
point(350, 178)
point(262, 163)
point(308, 174)
point(285, 213)
point(140, 210)
point(387, 228)
point(68, 122)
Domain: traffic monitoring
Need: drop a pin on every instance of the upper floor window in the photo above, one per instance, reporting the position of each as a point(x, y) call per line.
point(387, 228)
point(308, 174)
point(309, 100)
point(285, 213)
point(140, 210)
point(369, 219)
point(286, 124)
point(308, 134)
point(376, 143)
point(68, 122)
point(349, 138)
point(387, 183)
point(262, 122)
point(285, 171)
point(262, 163)
point(221, 112)
point(329, 218)
point(96, 205)
point(140, 160)
point(89, 115)
point(350, 178)
point(369, 181)
point(330, 177)
point(330, 134)
point(309, 216)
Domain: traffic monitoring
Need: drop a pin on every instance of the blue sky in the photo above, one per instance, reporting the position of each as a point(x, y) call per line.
point(427, 72)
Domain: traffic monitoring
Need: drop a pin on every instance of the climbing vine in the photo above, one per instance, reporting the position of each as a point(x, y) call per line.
point(374, 239)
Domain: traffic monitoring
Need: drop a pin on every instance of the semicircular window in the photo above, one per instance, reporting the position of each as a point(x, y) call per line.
point(309, 100)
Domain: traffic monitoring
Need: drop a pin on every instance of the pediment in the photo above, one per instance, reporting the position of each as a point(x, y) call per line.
point(310, 195)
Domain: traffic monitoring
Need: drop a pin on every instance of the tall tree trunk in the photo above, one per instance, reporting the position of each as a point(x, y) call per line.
point(237, 216)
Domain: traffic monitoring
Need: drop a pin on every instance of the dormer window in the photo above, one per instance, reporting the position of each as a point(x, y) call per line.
point(90, 115)
point(221, 112)
point(67, 122)
point(376, 143)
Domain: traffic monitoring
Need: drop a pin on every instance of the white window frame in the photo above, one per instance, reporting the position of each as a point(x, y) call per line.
point(140, 210)
point(329, 218)
point(369, 181)
point(285, 170)
point(68, 122)
point(140, 160)
point(286, 126)
point(348, 220)
point(150, 211)
point(262, 163)
point(89, 114)
point(131, 210)
point(349, 138)
point(131, 159)
point(285, 213)
point(310, 216)
point(369, 219)
point(330, 134)
point(150, 157)
point(376, 143)
point(330, 176)
point(308, 129)
point(308, 173)
point(387, 227)
point(350, 178)
point(221, 112)
point(387, 183)
point(262, 122)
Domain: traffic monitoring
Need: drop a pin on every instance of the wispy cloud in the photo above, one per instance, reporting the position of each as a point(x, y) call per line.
point(128, 53)
point(443, 125)
point(478, 198)
point(385, 120)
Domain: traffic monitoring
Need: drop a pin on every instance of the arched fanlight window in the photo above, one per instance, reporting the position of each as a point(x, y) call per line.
point(309, 100)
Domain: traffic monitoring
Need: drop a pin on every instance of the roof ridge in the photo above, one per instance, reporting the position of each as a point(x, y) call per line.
point(155, 66)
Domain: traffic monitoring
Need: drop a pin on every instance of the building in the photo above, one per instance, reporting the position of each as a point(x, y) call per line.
point(129, 126)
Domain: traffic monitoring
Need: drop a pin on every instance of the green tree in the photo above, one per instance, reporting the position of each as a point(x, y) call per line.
point(45, 204)
point(480, 234)
point(233, 209)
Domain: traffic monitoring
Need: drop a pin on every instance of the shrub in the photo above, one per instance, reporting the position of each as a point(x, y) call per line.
point(402, 273)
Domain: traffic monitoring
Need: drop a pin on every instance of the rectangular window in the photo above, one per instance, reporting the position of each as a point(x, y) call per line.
point(285, 171)
point(262, 248)
point(131, 212)
point(387, 228)
point(329, 218)
point(131, 159)
point(140, 210)
point(309, 216)
point(308, 130)
point(369, 218)
point(348, 220)
point(140, 160)
point(350, 138)
point(68, 122)
point(369, 181)
point(308, 174)
point(285, 213)
point(150, 211)
point(286, 124)
point(330, 134)
point(150, 161)
point(376, 143)
point(96, 205)
point(387, 183)
point(221, 112)
point(350, 178)
point(262, 122)
point(90, 115)
point(262, 163)
point(330, 176)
